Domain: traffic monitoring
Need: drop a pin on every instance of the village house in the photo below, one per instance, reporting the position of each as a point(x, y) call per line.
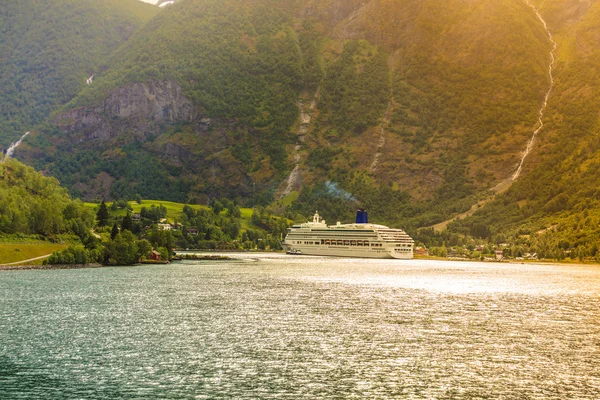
point(421, 251)
point(530, 256)
point(452, 253)
point(165, 227)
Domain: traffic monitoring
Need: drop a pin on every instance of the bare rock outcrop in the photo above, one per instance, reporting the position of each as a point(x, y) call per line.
point(159, 101)
point(139, 109)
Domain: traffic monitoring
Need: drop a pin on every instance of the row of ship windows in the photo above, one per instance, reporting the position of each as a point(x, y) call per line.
point(328, 242)
point(346, 238)
point(339, 235)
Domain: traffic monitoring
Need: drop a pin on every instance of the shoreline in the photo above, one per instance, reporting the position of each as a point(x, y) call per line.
point(513, 261)
point(221, 258)
point(97, 265)
point(48, 267)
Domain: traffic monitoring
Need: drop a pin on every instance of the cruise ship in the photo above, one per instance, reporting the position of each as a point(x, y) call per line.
point(360, 239)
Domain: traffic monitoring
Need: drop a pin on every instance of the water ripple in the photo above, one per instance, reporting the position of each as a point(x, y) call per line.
point(289, 328)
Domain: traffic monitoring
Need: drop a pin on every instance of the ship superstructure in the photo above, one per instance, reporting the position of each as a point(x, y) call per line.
point(360, 239)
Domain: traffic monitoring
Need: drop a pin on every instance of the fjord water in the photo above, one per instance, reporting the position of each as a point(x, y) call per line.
point(273, 326)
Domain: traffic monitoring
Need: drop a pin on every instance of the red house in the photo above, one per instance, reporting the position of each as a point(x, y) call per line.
point(155, 255)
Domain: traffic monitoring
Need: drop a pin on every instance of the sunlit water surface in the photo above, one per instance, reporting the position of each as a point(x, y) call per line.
point(290, 327)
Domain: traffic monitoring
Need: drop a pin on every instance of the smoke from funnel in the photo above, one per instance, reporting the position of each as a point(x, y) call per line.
point(335, 190)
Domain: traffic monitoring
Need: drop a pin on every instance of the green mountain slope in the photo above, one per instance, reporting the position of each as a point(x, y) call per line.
point(414, 108)
point(31, 203)
point(239, 66)
point(555, 204)
point(464, 81)
point(49, 49)
point(460, 83)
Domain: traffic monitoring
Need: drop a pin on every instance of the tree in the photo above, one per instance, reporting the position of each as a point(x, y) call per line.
point(144, 248)
point(164, 253)
point(102, 214)
point(235, 212)
point(114, 232)
point(189, 211)
point(159, 238)
point(123, 250)
point(127, 223)
point(480, 231)
point(154, 213)
point(232, 229)
point(217, 207)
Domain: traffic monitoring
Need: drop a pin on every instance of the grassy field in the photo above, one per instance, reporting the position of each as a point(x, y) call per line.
point(175, 210)
point(287, 200)
point(246, 219)
point(14, 252)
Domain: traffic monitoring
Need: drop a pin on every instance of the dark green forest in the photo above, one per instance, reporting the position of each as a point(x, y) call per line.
point(232, 59)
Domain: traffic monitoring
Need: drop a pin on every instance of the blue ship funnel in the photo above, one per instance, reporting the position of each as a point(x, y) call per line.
point(362, 217)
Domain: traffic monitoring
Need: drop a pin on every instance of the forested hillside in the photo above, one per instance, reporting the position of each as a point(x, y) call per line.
point(48, 49)
point(31, 203)
point(412, 108)
point(556, 203)
point(440, 85)
point(455, 108)
point(238, 64)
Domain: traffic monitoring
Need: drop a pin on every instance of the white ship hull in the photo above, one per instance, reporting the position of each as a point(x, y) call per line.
point(338, 251)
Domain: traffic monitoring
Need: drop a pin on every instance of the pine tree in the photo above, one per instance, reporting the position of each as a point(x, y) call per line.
point(127, 223)
point(114, 232)
point(102, 214)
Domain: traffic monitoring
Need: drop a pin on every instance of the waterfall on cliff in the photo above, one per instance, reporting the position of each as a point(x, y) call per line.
point(545, 102)
point(12, 147)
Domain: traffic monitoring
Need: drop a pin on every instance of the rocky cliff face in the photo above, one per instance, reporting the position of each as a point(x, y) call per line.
point(151, 132)
point(139, 108)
